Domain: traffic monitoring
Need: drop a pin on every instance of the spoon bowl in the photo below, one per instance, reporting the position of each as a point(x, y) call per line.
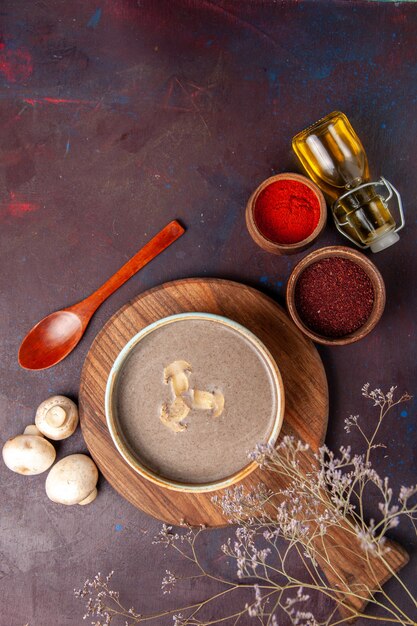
point(56, 335)
point(51, 340)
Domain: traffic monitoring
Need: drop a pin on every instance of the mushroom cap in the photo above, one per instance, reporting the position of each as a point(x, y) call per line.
point(218, 404)
point(28, 454)
point(72, 479)
point(57, 417)
point(176, 368)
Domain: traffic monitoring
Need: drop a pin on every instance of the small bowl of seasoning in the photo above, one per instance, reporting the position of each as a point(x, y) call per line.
point(335, 295)
point(286, 213)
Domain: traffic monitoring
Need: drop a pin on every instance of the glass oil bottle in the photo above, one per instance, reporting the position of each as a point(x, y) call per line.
point(333, 156)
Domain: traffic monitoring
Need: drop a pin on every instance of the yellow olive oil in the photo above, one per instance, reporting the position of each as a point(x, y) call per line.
point(333, 156)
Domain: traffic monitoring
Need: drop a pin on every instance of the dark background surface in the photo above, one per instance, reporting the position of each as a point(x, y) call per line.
point(118, 116)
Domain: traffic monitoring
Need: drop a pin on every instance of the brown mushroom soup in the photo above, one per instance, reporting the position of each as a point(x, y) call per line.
point(189, 397)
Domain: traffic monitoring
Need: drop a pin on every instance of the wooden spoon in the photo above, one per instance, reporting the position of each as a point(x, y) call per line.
point(54, 337)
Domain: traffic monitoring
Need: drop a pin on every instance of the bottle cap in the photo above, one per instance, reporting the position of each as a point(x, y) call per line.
point(384, 242)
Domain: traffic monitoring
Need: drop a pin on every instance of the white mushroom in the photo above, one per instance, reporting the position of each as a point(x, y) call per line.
point(31, 429)
point(201, 400)
point(172, 415)
point(29, 453)
point(57, 417)
point(176, 372)
point(205, 401)
point(72, 480)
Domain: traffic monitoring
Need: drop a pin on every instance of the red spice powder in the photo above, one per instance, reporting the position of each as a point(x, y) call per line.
point(334, 297)
point(287, 211)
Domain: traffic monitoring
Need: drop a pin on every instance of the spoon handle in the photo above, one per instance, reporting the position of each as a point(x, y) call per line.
point(155, 246)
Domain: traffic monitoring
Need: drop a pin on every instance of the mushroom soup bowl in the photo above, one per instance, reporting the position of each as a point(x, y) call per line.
point(189, 397)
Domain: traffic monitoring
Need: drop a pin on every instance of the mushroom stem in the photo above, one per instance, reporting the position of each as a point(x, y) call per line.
point(56, 416)
point(90, 498)
point(32, 430)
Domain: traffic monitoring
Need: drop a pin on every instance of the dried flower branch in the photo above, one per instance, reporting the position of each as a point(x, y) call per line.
point(270, 538)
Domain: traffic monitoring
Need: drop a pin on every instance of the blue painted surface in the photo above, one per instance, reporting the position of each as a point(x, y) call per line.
point(94, 20)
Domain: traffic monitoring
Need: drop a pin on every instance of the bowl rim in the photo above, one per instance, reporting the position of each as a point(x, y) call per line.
point(133, 460)
point(372, 272)
point(269, 244)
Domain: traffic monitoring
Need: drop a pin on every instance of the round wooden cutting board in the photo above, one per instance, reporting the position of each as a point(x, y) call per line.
point(306, 395)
